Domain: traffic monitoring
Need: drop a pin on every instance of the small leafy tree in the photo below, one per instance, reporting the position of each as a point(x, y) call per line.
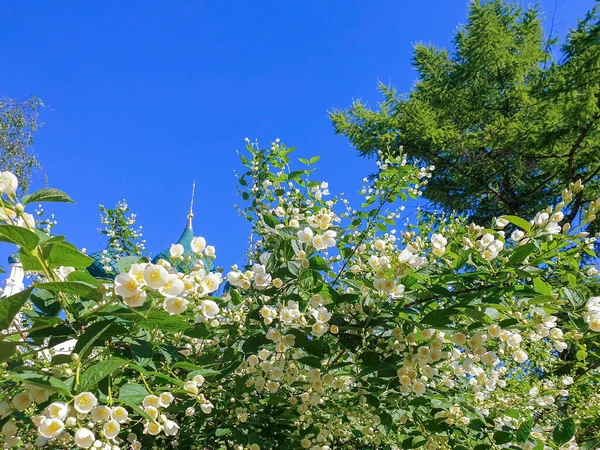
point(339, 333)
point(18, 123)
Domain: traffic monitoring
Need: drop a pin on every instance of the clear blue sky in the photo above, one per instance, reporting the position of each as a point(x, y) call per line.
point(145, 96)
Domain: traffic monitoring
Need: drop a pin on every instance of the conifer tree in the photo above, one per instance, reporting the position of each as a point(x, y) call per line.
point(507, 125)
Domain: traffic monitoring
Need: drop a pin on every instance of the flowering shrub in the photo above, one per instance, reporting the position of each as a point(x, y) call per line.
point(339, 332)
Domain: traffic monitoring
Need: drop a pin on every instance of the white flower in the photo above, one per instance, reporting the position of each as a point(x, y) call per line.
point(321, 314)
point(137, 270)
point(541, 218)
point(553, 228)
point(175, 305)
point(207, 407)
point(137, 299)
point(279, 211)
point(210, 251)
point(155, 276)
point(119, 414)
point(489, 358)
point(494, 330)
point(8, 183)
point(198, 244)
point(566, 380)
point(151, 400)
point(8, 215)
point(152, 428)
point(84, 438)
point(100, 413)
point(262, 279)
point(171, 428)
point(51, 428)
point(211, 282)
point(191, 387)
point(173, 287)
point(418, 388)
point(176, 251)
point(209, 309)
point(166, 398)
point(111, 429)
point(10, 428)
point(26, 220)
point(199, 380)
point(329, 238)
point(517, 235)
point(595, 323)
point(84, 402)
point(305, 235)
point(514, 340)
point(126, 285)
point(21, 401)
point(319, 328)
point(501, 222)
point(38, 394)
point(438, 241)
point(520, 356)
point(593, 304)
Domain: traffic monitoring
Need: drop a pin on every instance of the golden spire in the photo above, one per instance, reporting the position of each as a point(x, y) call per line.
point(190, 215)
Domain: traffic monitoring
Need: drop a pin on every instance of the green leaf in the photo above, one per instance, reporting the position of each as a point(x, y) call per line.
point(10, 307)
point(524, 431)
point(296, 174)
point(314, 159)
point(222, 432)
point(521, 223)
point(47, 195)
point(310, 361)
point(502, 437)
point(98, 371)
point(253, 343)
point(439, 318)
point(64, 254)
point(29, 261)
point(132, 392)
point(158, 319)
point(45, 381)
point(318, 263)
point(84, 276)
point(92, 334)
point(125, 263)
point(576, 299)
point(564, 431)
point(520, 254)
point(73, 287)
point(370, 359)
point(19, 236)
point(541, 287)
point(199, 331)
point(7, 349)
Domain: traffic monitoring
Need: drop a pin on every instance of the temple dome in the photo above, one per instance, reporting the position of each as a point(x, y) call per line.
point(108, 256)
point(189, 257)
point(13, 258)
point(104, 258)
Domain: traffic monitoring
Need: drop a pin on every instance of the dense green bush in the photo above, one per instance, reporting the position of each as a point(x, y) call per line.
point(339, 332)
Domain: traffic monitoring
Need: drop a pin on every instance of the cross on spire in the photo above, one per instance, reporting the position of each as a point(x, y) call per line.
point(190, 215)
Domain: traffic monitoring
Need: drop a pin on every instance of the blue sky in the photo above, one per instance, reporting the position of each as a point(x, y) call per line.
point(145, 97)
